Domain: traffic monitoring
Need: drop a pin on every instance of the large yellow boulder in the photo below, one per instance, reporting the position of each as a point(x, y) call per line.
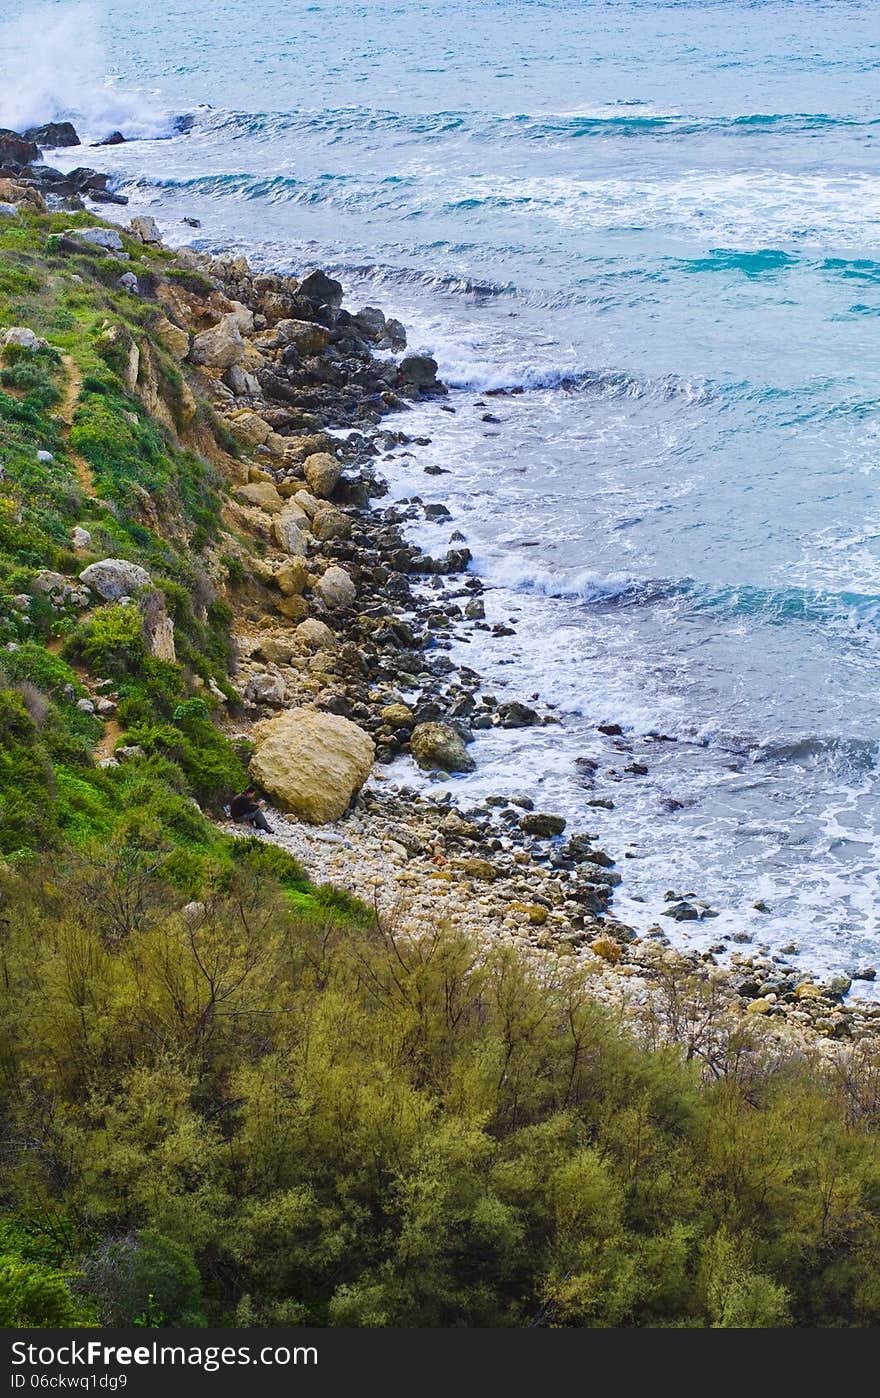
point(312, 763)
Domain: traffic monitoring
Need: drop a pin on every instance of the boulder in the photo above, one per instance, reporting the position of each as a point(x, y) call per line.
point(314, 634)
point(292, 577)
point(294, 608)
point(105, 238)
point(23, 338)
point(262, 494)
point(336, 589)
point(312, 763)
point(321, 289)
point(220, 347)
point(80, 537)
point(8, 210)
point(172, 336)
point(330, 523)
point(16, 150)
point(397, 715)
point(322, 472)
point(304, 334)
point(113, 578)
point(439, 745)
point(287, 528)
point(53, 135)
point(22, 195)
point(266, 688)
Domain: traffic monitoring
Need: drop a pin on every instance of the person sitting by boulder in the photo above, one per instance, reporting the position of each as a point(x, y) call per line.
point(246, 808)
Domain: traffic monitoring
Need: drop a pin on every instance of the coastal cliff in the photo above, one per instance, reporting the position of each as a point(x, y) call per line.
point(200, 587)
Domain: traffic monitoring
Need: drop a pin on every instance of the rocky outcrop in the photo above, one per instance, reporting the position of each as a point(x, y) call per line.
point(439, 745)
point(312, 763)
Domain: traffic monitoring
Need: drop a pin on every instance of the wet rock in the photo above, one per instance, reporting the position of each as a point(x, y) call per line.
point(17, 151)
point(53, 135)
point(516, 715)
point(611, 730)
point(439, 745)
point(542, 824)
point(321, 289)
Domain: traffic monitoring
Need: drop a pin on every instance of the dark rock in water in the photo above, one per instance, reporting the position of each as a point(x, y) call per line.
point(638, 769)
point(611, 730)
point(17, 151)
point(865, 973)
point(437, 512)
point(516, 715)
point(603, 802)
point(115, 138)
point(682, 912)
point(192, 222)
point(541, 824)
point(106, 196)
point(54, 134)
point(419, 373)
point(321, 289)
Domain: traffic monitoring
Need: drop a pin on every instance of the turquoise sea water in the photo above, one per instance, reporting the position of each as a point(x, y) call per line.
point(662, 221)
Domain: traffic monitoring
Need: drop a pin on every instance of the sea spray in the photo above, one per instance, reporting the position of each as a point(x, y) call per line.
point(56, 64)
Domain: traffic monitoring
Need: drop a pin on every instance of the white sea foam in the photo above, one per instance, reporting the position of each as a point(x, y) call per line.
point(58, 72)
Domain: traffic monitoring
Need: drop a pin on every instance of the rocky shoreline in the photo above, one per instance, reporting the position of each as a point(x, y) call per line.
point(342, 626)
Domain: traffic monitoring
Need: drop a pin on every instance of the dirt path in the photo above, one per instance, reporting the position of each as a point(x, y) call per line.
point(67, 408)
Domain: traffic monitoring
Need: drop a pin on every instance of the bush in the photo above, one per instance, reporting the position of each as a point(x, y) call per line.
point(35, 1295)
point(144, 1279)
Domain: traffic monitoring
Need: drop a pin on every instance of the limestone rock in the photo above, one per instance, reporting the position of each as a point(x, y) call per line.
point(159, 635)
point(287, 528)
point(330, 523)
point(295, 608)
point(262, 494)
point(315, 634)
point(105, 238)
point(220, 347)
point(80, 537)
point(439, 745)
point(22, 195)
point(23, 338)
point(397, 716)
point(322, 472)
point(146, 230)
point(312, 763)
point(336, 589)
point(292, 577)
point(8, 210)
point(173, 336)
point(304, 334)
point(113, 578)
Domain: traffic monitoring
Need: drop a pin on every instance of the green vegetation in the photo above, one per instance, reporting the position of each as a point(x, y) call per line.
point(241, 1111)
